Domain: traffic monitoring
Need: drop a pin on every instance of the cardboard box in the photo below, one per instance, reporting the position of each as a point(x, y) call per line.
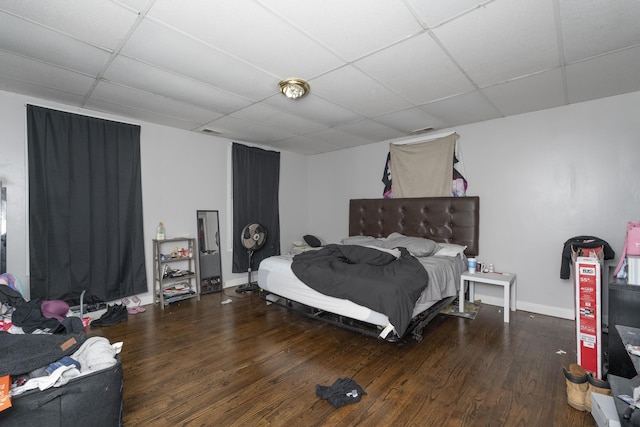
point(603, 410)
point(633, 270)
point(588, 316)
point(577, 252)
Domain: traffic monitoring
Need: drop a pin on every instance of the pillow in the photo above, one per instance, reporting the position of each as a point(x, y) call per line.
point(450, 249)
point(297, 250)
point(417, 246)
point(362, 241)
point(312, 241)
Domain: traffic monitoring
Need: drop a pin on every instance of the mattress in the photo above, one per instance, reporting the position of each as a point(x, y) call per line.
point(276, 277)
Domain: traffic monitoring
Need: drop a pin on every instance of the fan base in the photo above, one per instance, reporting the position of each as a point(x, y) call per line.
point(251, 287)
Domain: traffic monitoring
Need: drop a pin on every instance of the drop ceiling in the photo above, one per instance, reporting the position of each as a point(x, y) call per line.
point(378, 70)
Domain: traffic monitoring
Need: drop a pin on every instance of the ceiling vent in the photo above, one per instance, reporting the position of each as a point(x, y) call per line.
point(423, 130)
point(210, 131)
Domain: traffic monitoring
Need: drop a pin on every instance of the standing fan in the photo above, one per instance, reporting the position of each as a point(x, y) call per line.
point(253, 237)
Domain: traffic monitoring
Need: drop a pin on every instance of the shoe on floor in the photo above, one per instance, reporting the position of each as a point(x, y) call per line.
point(577, 387)
point(114, 315)
point(596, 386)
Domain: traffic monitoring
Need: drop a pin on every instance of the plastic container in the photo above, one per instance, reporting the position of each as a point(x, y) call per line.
point(160, 232)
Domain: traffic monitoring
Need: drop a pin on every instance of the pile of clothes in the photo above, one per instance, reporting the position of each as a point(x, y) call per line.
point(43, 347)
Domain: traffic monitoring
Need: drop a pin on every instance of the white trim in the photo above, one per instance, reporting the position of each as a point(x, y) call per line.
point(530, 307)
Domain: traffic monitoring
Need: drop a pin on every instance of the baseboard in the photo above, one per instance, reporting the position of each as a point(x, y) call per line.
point(236, 282)
point(546, 310)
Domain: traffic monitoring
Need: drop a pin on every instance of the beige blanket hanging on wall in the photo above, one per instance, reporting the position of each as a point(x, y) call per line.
point(424, 169)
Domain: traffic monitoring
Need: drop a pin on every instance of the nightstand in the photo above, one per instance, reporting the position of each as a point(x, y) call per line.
point(506, 280)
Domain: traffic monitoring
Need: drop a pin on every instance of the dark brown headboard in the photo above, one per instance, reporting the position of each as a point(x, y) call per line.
point(442, 219)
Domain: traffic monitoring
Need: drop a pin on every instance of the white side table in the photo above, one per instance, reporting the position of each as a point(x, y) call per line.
point(506, 280)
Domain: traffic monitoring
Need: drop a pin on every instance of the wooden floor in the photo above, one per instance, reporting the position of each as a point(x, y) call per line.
point(203, 363)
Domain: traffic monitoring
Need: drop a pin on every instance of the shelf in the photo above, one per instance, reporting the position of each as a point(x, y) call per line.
point(190, 282)
point(169, 299)
point(167, 260)
point(177, 279)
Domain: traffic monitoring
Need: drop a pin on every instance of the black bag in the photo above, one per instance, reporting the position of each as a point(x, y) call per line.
point(94, 399)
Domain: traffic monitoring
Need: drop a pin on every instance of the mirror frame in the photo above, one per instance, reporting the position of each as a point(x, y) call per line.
point(209, 255)
point(3, 228)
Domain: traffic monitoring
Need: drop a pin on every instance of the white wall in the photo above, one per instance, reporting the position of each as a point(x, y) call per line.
point(181, 172)
point(542, 178)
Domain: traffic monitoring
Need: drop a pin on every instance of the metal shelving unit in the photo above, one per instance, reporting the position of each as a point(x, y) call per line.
point(176, 275)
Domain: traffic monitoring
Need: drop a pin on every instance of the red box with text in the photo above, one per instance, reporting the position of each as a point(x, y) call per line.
point(588, 314)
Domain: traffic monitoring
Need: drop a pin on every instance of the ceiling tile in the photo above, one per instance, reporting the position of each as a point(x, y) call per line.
point(435, 12)
point(33, 41)
point(255, 35)
point(245, 130)
point(536, 92)
point(337, 138)
point(135, 5)
point(98, 22)
point(43, 75)
point(594, 27)
point(416, 69)
point(376, 69)
point(410, 120)
point(470, 107)
point(503, 40)
point(30, 89)
point(314, 108)
point(608, 75)
point(128, 72)
point(305, 145)
point(277, 118)
point(352, 89)
point(162, 47)
point(351, 28)
point(138, 114)
point(370, 130)
point(117, 94)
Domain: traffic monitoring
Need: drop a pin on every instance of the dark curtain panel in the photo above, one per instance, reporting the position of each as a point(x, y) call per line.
point(256, 179)
point(85, 207)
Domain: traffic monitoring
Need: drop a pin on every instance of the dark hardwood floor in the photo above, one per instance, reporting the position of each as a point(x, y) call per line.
point(203, 363)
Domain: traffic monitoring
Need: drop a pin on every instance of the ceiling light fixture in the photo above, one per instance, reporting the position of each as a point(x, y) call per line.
point(294, 88)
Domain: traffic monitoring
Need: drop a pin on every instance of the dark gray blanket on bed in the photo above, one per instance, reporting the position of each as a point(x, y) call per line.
point(366, 276)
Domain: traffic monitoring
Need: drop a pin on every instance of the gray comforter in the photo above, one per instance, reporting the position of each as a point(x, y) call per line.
point(366, 276)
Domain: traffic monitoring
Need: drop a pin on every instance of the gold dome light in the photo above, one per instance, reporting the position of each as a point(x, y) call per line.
point(294, 88)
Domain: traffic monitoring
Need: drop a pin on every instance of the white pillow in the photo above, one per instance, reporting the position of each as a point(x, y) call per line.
point(417, 246)
point(450, 249)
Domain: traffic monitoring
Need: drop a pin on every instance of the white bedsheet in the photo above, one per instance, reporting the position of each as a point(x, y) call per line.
point(275, 276)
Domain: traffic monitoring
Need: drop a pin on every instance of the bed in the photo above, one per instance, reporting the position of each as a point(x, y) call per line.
point(449, 221)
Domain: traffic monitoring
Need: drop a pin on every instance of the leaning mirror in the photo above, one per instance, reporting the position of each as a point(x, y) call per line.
point(209, 251)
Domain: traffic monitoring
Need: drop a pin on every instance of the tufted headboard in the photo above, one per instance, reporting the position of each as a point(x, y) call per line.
point(442, 219)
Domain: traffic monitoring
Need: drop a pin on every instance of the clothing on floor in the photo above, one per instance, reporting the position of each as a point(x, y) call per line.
point(342, 392)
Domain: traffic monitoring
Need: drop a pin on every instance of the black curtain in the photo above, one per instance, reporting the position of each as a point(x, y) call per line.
point(85, 207)
point(256, 179)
